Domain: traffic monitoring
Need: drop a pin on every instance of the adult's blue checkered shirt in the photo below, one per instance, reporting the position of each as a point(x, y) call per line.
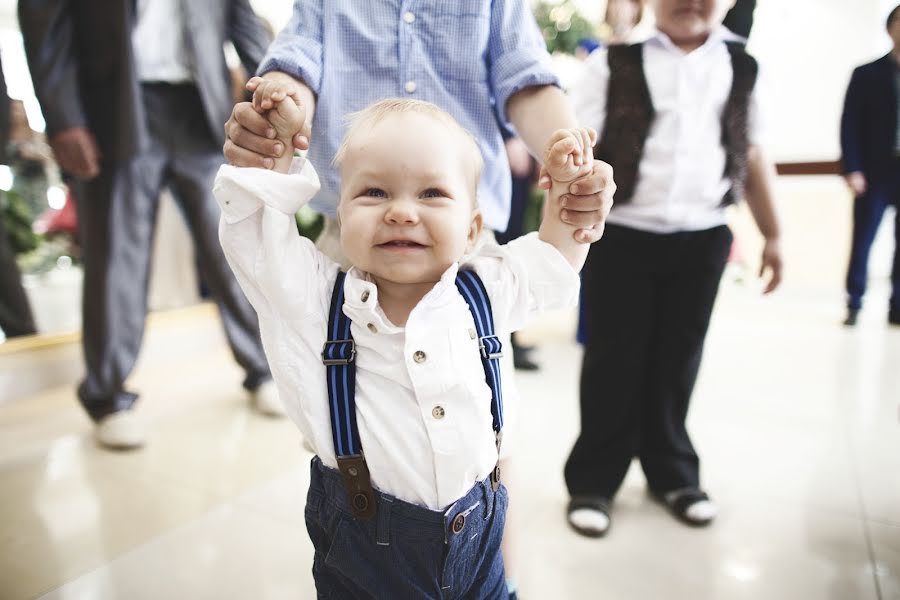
point(466, 56)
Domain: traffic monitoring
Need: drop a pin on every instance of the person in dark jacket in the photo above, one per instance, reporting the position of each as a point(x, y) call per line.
point(870, 148)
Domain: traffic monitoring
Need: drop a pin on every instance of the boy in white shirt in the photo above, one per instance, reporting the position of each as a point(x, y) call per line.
point(680, 126)
point(406, 415)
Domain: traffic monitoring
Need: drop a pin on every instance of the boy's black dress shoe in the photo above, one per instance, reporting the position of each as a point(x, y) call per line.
point(852, 315)
point(894, 317)
point(521, 359)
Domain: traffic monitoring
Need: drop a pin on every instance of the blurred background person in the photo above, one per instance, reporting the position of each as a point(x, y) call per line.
point(134, 95)
point(15, 312)
point(523, 168)
point(870, 148)
point(619, 20)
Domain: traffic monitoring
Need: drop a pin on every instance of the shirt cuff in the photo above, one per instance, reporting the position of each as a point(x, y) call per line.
point(554, 284)
point(242, 191)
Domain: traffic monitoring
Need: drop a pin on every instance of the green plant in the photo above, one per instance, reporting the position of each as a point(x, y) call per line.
point(17, 218)
point(562, 25)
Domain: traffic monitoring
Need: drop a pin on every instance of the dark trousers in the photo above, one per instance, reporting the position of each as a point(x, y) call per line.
point(405, 551)
point(117, 217)
point(648, 300)
point(15, 312)
point(521, 190)
point(868, 210)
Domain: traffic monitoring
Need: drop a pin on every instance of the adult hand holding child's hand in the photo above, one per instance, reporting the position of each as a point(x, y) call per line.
point(251, 140)
point(591, 188)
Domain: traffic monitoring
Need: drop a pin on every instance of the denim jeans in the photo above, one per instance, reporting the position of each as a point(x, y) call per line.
point(406, 551)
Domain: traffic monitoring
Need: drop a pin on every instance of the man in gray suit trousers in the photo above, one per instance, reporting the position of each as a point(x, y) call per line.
point(135, 94)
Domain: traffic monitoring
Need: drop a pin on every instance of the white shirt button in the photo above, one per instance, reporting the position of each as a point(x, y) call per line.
point(409, 17)
point(419, 356)
point(438, 412)
point(410, 86)
point(365, 296)
point(372, 327)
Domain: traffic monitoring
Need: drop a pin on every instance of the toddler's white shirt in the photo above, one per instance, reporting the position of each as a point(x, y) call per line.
point(414, 452)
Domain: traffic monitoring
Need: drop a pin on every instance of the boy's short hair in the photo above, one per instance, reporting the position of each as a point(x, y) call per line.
point(374, 113)
point(893, 16)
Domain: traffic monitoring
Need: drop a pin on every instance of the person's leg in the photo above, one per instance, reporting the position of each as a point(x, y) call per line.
point(194, 162)
point(116, 217)
point(868, 210)
point(619, 282)
point(894, 314)
point(15, 312)
point(695, 262)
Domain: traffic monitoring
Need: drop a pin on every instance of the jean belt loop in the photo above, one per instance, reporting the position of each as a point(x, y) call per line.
point(383, 524)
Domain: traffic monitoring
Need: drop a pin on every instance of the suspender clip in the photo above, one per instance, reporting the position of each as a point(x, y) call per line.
point(338, 352)
point(490, 346)
point(495, 474)
point(355, 472)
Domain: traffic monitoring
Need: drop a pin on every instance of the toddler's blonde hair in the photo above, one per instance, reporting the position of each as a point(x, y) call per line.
point(368, 117)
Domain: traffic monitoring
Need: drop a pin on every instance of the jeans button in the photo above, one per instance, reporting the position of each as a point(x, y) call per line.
point(458, 523)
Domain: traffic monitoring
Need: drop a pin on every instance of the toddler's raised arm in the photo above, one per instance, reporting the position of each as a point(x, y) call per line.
point(569, 156)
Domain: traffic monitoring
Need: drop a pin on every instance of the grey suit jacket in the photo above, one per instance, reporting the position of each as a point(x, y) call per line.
point(81, 61)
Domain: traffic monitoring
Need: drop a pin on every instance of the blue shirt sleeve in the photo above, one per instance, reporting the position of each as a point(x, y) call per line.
point(517, 54)
point(297, 50)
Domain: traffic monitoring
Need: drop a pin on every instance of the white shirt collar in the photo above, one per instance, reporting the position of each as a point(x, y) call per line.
point(359, 285)
point(718, 35)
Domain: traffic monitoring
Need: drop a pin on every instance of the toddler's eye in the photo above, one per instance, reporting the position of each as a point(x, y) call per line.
point(375, 193)
point(434, 193)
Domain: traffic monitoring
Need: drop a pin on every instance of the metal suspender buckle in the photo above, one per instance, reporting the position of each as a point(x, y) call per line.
point(355, 472)
point(490, 346)
point(338, 352)
point(495, 474)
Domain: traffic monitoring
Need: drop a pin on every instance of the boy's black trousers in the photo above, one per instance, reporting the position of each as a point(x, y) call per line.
point(648, 302)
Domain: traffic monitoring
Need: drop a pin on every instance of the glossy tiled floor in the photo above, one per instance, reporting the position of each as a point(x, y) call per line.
point(796, 418)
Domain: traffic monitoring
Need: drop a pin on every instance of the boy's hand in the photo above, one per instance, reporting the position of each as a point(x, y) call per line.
point(771, 262)
point(570, 154)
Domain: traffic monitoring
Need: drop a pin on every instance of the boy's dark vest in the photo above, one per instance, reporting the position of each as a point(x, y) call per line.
point(629, 114)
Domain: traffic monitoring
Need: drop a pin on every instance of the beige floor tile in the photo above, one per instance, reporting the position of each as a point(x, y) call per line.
point(227, 553)
point(886, 547)
point(69, 513)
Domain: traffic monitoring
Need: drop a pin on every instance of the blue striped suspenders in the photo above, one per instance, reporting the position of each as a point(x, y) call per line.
point(338, 355)
point(472, 289)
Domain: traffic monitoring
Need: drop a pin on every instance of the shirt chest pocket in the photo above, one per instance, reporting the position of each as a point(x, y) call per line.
point(457, 33)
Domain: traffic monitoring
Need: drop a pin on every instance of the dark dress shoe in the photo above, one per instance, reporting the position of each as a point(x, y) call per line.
point(852, 315)
point(894, 317)
point(521, 356)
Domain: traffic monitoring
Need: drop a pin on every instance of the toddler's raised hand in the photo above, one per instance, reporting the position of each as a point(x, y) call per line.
point(570, 153)
point(269, 98)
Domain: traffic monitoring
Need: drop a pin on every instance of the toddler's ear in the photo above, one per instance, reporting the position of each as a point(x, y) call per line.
point(475, 228)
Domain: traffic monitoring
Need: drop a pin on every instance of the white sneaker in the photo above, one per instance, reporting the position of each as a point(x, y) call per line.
point(121, 430)
point(265, 400)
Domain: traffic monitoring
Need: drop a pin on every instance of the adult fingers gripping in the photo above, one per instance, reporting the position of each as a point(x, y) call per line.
point(252, 131)
point(241, 157)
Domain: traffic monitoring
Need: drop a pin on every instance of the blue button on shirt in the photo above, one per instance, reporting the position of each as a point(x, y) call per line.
point(466, 56)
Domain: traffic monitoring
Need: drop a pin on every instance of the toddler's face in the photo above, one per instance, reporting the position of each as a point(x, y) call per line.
point(407, 208)
point(687, 20)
